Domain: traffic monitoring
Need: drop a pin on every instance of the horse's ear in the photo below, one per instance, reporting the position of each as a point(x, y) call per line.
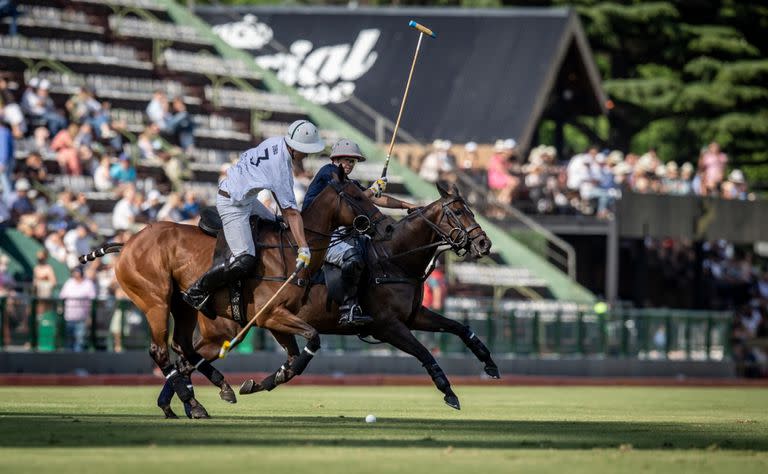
point(443, 189)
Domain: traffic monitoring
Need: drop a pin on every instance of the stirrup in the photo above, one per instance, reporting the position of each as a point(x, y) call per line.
point(197, 302)
point(353, 316)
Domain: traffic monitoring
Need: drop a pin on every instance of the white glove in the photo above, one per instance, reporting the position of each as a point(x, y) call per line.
point(379, 186)
point(302, 260)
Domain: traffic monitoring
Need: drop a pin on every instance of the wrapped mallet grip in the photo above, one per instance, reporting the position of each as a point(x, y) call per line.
point(422, 28)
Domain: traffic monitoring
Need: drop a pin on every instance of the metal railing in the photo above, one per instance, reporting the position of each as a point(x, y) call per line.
point(529, 329)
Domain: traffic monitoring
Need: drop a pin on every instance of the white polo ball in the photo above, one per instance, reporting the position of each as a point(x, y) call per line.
point(370, 419)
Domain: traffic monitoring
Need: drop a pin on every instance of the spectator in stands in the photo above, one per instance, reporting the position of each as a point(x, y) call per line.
point(54, 244)
point(33, 169)
point(8, 9)
point(11, 111)
point(102, 176)
point(439, 163)
point(686, 176)
point(158, 109)
point(77, 242)
point(712, 164)
point(7, 145)
point(435, 289)
point(84, 136)
point(470, 160)
point(191, 207)
point(181, 125)
point(66, 150)
point(22, 204)
point(125, 212)
point(152, 206)
point(737, 187)
point(82, 105)
point(77, 293)
point(173, 170)
point(149, 142)
point(500, 180)
point(106, 129)
point(39, 107)
point(7, 282)
point(171, 210)
point(122, 172)
point(43, 282)
point(41, 142)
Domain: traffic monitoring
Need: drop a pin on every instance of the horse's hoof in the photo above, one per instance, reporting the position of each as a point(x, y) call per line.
point(247, 387)
point(169, 414)
point(198, 412)
point(492, 371)
point(452, 401)
point(228, 395)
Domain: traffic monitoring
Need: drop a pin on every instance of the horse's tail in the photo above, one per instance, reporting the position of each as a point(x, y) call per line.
point(109, 247)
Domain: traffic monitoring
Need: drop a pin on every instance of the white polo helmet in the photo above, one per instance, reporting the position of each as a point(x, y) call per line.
point(303, 136)
point(347, 148)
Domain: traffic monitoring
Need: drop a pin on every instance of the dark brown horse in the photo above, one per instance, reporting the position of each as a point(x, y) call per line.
point(397, 268)
point(160, 260)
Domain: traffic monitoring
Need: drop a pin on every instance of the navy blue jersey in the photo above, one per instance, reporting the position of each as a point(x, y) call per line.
point(323, 177)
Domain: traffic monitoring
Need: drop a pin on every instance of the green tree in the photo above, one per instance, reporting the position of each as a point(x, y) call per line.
point(682, 74)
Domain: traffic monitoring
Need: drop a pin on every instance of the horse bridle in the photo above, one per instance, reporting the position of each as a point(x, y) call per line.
point(457, 239)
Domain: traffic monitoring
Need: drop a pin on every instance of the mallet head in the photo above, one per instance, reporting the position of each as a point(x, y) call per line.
point(422, 28)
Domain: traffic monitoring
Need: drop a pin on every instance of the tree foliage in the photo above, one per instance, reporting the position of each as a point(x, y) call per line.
point(683, 73)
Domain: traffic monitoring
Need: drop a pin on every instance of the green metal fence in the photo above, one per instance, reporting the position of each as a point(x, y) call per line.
point(534, 329)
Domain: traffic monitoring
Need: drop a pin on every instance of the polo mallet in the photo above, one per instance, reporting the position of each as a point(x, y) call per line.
point(423, 30)
point(229, 345)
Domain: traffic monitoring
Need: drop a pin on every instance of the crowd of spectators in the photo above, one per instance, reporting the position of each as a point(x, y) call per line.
point(587, 183)
point(81, 138)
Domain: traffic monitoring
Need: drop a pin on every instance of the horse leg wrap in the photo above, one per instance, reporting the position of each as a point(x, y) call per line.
point(179, 383)
point(438, 377)
point(166, 395)
point(477, 347)
point(306, 355)
point(210, 372)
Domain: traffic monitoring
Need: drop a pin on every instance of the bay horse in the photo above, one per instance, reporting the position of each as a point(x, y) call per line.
point(164, 257)
point(396, 271)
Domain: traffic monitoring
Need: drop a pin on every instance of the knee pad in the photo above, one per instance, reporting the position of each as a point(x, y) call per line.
point(243, 265)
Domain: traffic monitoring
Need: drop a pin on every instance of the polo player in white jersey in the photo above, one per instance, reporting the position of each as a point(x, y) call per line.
point(268, 166)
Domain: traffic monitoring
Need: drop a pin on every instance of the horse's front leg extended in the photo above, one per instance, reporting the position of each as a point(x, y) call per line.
point(428, 320)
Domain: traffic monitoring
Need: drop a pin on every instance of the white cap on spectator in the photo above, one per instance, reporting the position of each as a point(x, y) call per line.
point(736, 176)
point(446, 145)
point(510, 144)
point(550, 150)
point(437, 143)
point(23, 185)
point(153, 195)
point(686, 168)
point(646, 164)
point(45, 84)
point(470, 147)
point(34, 82)
point(499, 145)
point(615, 157)
point(600, 158)
point(622, 168)
point(661, 171)
point(671, 166)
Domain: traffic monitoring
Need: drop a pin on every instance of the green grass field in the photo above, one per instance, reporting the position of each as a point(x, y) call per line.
point(321, 430)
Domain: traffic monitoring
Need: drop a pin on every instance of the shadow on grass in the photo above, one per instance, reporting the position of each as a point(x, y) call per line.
point(46, 430)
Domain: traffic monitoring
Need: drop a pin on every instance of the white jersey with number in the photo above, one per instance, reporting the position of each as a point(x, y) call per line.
point(268, 166)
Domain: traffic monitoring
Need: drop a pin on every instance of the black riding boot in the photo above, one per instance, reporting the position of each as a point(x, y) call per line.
point(198, 294)
point(351, 269)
